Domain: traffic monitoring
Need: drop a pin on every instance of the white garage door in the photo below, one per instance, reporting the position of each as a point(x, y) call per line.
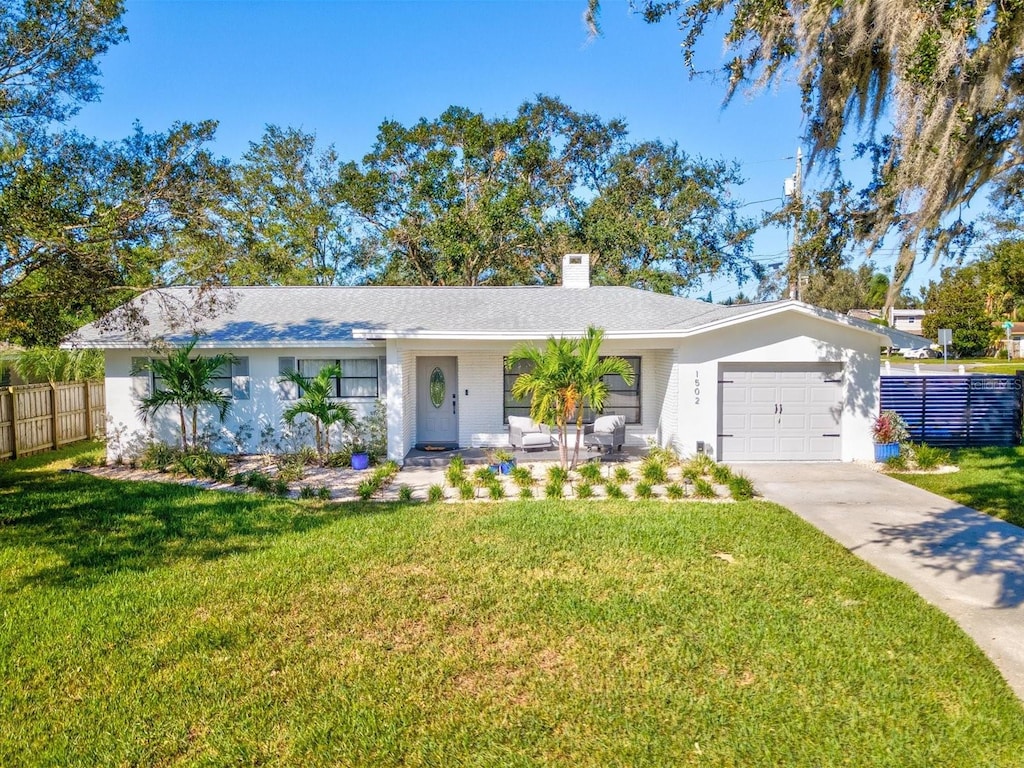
point(780, 413)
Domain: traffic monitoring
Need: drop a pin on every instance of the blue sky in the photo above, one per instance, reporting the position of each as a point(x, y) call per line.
point(339, 68)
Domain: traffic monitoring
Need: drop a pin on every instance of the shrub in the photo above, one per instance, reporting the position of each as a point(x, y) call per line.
point(157, 456)
point(404, 493)
point(557, 474)
point(591, 472)
point(320, 492)
point(643, 490)
point(622, 475)
point(200, 463)
point(664, 456)
point(340, 459)
point(366, 489)
point(897, 462)
point(256, 480)
point(721, 474)
point(930, 457)
point(279, 486)
point(526, 493)
point(554, 489)
point(292, 468)
point(483, 476)
point(653, 471)
point(496, 490)
point(675, 491)
point(888, 428)
point(691, 474)
point(466, 491)
point(455, 474)
point(522, 477)
point(306, 455)
point(741, 487)
point(435, 493)
point(702, 463)
point(702, 489)
point(614, 491)
point(584, 490)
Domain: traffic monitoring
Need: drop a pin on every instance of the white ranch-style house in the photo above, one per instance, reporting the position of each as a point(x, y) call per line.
point(773, 381)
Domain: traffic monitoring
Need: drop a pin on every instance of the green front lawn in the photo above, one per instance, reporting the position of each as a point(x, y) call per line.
point(990, 480)
point(146, 624)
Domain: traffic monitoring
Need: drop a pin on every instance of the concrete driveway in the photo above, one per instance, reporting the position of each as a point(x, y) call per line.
point(967, 564)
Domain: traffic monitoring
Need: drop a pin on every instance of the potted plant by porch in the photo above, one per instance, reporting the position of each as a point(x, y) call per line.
point(888, 431)
point(504, 459)
point(360, 455)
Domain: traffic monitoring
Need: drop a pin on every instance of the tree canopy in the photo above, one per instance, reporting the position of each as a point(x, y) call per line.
point(948, 75)
point(48, 52)
point(468, 200)
point(287, 223)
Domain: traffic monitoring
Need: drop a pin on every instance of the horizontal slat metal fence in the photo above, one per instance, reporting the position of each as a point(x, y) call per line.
point(958, 411)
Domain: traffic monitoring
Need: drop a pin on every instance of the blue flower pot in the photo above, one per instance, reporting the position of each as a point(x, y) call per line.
point(506, 467)
point(886, 451)
point(360, 460)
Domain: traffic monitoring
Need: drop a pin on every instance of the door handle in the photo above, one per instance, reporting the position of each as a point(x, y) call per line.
point(453, 402)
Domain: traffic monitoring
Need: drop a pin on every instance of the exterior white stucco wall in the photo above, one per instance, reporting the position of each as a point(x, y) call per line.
point(789, 337)
point(252, 425)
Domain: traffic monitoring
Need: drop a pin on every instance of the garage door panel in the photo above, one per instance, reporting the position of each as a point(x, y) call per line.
point(761, 422)
point(826, 447)
point(822, 395)
point(811, 405)
point(824, 422)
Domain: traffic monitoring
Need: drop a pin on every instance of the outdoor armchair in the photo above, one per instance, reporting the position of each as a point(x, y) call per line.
point(524, 433)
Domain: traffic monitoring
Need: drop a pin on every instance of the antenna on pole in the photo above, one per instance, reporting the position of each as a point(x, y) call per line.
point(794, 189)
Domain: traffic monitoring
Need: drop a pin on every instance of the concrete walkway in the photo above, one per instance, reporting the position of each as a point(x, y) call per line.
point(966, 563)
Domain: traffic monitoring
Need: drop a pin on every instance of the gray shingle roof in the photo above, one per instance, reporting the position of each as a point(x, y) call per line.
point(281, 316)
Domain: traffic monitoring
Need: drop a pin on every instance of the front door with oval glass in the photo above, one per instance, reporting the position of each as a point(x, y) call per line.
point(437, 402)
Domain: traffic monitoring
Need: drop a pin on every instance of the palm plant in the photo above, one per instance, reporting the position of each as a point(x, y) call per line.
point(55, 365)
point(591, 369)
point(550, 384)
point(566, 378)
point(185, 383)
point(317, 402)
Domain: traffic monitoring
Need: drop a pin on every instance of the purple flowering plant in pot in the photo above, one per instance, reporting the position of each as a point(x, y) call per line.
point(888, 431)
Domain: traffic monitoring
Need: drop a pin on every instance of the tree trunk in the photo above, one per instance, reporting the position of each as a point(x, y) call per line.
point(184, 428)
point(195, 420)
point(579, 432)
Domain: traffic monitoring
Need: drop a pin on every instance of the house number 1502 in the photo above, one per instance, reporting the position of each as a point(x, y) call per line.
point(696, 387)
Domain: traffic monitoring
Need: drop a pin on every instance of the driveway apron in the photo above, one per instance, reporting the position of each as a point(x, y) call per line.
point(966, 563)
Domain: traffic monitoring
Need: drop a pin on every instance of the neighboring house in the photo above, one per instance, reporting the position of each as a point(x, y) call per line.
point(1016, 340)
point(907, 320)
point(782, 380)
point(899, 339)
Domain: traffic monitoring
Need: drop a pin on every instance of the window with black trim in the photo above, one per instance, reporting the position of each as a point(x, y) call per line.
point(623, 399)
point(232, 378)
point(359, 376)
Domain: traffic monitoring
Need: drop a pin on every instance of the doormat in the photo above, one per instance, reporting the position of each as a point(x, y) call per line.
point(435, 448)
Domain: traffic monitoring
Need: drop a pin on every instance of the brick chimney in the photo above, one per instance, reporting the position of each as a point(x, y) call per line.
point(576, 270)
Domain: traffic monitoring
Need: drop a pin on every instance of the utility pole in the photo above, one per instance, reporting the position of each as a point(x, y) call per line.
point(794, 189)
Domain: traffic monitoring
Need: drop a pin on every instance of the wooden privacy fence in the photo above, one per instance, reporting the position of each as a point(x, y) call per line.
point(44, 417)
point(958, 411)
